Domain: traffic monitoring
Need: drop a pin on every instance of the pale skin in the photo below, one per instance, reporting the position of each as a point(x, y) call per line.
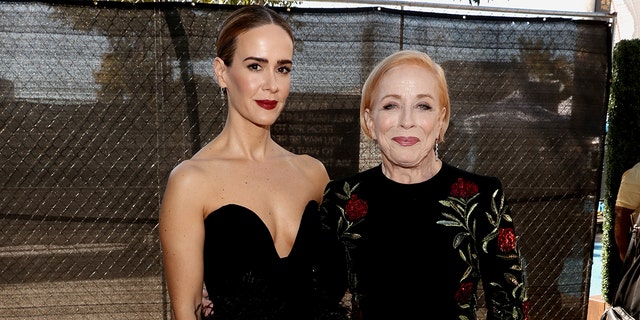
point(242, 166)
point(405, 119)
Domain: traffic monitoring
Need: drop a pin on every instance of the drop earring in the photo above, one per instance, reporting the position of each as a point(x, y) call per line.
point(436, 149)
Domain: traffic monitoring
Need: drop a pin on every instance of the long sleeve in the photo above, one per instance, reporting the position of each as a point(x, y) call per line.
point(427, 245)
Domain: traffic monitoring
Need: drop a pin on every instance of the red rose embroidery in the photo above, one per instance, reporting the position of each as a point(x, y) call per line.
point(506, 239)
point(355, 208)
point(463, 295)
point(463, 188)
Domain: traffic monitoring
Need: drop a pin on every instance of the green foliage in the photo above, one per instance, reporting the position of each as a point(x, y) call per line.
point(622, 148)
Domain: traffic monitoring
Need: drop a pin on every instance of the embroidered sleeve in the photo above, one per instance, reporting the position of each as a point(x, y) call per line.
point(500, 260)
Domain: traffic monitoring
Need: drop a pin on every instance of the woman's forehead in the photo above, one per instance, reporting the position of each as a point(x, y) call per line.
point(268, 41)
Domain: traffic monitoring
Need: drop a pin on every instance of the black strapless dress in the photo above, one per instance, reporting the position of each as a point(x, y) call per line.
point(248, 280)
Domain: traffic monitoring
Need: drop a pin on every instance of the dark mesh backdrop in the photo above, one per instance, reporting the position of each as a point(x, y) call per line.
point(99, 101)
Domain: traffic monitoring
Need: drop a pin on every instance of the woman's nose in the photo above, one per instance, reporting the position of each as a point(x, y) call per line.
point(406, 118)
point(270, 82)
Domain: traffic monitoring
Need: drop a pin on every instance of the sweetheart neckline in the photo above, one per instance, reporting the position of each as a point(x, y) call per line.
point(264, 225)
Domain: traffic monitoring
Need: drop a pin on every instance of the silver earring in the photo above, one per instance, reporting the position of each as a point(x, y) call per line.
point(223, 93)
point(436, 148)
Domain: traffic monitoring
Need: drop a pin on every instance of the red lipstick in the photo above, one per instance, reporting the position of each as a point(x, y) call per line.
point(267, 104)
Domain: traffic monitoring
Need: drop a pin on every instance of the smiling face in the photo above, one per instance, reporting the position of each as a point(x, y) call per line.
point(258, 80)
point(405, 116)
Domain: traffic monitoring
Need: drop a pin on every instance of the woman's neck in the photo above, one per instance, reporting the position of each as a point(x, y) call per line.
point(410, 175)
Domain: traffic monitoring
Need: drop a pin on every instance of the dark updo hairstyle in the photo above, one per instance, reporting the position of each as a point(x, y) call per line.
point(241, 21)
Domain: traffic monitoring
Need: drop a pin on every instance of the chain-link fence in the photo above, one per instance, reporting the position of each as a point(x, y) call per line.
point(99, 102)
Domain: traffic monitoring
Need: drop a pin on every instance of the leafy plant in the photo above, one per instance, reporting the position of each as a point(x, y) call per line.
point(622, 149)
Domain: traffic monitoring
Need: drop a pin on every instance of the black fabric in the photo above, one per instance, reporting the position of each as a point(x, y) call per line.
point(616, 313)
point(247, 280)
point(425, 247)
point(628, 292)
point(100, 100)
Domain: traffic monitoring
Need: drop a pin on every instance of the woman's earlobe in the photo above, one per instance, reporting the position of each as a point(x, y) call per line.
point(218, 70)
point(368, 122)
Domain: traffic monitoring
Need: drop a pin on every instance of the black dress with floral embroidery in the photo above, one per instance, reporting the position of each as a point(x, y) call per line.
point(421, 250)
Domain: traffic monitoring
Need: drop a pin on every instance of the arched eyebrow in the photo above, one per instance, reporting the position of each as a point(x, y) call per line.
point(263, 60)
point(397, 96)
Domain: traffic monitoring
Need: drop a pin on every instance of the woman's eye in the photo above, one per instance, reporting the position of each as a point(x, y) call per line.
point(284, 70)
point(388, 106)
point(254, 67)
point(424, 106)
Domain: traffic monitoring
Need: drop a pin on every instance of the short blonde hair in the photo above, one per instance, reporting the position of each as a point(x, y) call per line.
point(404, 57)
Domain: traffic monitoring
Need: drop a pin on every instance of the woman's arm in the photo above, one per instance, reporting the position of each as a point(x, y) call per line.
point(501, 265)
point(182, 237)
point(622, 229)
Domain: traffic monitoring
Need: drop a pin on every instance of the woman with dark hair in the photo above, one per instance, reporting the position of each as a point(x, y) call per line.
point(242, 213)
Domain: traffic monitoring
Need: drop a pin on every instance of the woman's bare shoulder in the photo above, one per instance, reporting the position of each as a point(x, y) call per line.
point(204, 163)
point(312, 168)
point(308, 162)
point(185, 178)
point(189, 168)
